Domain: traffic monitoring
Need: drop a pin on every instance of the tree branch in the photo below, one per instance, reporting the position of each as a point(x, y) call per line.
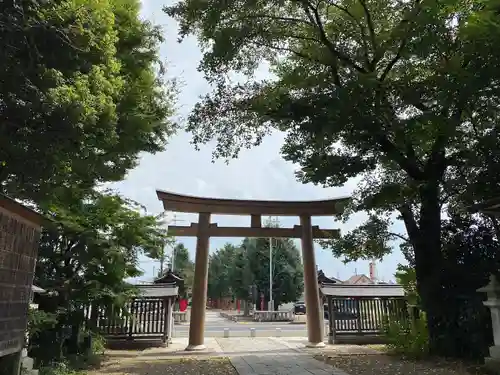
point(289, 50)
point(275, 18)
point(403, 24)
point(315, 18)
point(361, 29)
point(371, 31)
point(369, 22)
point(393, 62)
point(410, 224)
point(437, 162)
point(403, 161)
point(406, 239)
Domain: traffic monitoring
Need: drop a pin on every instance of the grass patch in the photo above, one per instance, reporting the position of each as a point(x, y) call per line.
point(391, 364)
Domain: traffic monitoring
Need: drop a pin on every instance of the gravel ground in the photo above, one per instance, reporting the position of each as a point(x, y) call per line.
point(177, 366)
point(382, 364)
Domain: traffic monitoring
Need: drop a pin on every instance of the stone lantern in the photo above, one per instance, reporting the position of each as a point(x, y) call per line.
point(492, 291)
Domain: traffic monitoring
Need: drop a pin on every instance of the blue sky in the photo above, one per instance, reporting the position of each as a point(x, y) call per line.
point(259, 173)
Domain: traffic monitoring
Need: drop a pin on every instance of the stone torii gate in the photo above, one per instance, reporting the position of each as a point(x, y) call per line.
point(203, 230)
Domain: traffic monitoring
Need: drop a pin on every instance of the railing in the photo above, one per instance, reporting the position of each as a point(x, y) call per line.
point(141, 317)
point(181, 316)
point(366, 315)
point(273, 316)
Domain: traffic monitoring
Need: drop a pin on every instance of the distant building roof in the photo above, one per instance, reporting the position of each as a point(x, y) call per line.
point(25, 212)
point(37, 289)
point(158, 290)
point(168, 278)
point(359, 280)
point(323, 279)
point(368, 290)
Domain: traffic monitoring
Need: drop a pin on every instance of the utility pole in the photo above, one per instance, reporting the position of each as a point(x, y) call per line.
point(161, 217)
point(172, 257)
point(271, 307)
point(271, 301)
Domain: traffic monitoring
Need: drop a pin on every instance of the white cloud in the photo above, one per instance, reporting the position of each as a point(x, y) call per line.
point(259, 173)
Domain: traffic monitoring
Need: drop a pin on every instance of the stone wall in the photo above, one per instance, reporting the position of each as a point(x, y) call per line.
point(18, 252)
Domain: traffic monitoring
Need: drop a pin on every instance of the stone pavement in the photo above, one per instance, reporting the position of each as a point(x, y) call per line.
point(274, 356)
point(255, 356)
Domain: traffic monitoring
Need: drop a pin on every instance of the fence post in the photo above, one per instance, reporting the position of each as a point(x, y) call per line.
point(166, 320)
point(331, 321)
point(358, 309)
point(131, 320)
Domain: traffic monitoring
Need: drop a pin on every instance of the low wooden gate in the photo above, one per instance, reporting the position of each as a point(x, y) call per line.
point(361, 311)
point(141, 318)
point(366, 315)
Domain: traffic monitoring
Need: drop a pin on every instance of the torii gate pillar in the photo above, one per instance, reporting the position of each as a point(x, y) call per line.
point(314, 310)
point(199, 291)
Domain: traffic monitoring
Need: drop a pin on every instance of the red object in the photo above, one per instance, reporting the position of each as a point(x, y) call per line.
point(183, 304)
point(238, 305)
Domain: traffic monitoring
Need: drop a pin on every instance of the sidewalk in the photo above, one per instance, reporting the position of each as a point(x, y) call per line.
point(273, 356)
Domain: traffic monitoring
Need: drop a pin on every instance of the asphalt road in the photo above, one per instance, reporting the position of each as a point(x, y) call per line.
point(215, 325)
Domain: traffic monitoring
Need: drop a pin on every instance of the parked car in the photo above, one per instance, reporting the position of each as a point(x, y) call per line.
point(299, 308)
point(340, 314)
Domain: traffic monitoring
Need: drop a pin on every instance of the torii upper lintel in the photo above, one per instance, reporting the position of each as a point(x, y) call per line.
point(190, 204)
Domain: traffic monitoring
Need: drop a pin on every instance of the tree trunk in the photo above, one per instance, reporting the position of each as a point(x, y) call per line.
point(425, 237)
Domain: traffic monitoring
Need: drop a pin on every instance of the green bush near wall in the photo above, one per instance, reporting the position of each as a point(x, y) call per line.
point(409, 338)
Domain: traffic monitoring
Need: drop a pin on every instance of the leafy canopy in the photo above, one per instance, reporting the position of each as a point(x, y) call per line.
point(80, 94)
point(183, 265)
point(396, 93)
point(225, 279)
point(93, 247)
point(401, 94)
point(85, 258)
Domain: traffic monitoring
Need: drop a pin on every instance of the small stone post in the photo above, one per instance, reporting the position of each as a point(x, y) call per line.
point(492, 291)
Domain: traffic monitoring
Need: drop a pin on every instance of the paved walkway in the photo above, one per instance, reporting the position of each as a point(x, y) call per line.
point(212, 317)
point(253, 356)
point(273, 356)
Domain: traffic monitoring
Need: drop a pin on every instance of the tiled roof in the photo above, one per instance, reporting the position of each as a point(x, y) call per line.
point(359, 279)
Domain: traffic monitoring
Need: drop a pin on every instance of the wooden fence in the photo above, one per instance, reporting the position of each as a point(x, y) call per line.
point(140, 318)
point(366, 315)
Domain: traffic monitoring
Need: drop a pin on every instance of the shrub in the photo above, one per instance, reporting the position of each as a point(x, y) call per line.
point(98, 344)
point(59, 369)
point(39, 321)
point(408, 337)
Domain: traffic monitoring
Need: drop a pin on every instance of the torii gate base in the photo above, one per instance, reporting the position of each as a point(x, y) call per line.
point(203, 230)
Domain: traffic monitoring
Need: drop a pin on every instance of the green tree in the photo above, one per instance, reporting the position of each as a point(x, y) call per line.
point(288, 277)
point(397, 93)
point(85, 258)
point(183, 265)
point(82, 93)
point(221, 273)
point(234, 269)
point(241, 273)
point(405, 276)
